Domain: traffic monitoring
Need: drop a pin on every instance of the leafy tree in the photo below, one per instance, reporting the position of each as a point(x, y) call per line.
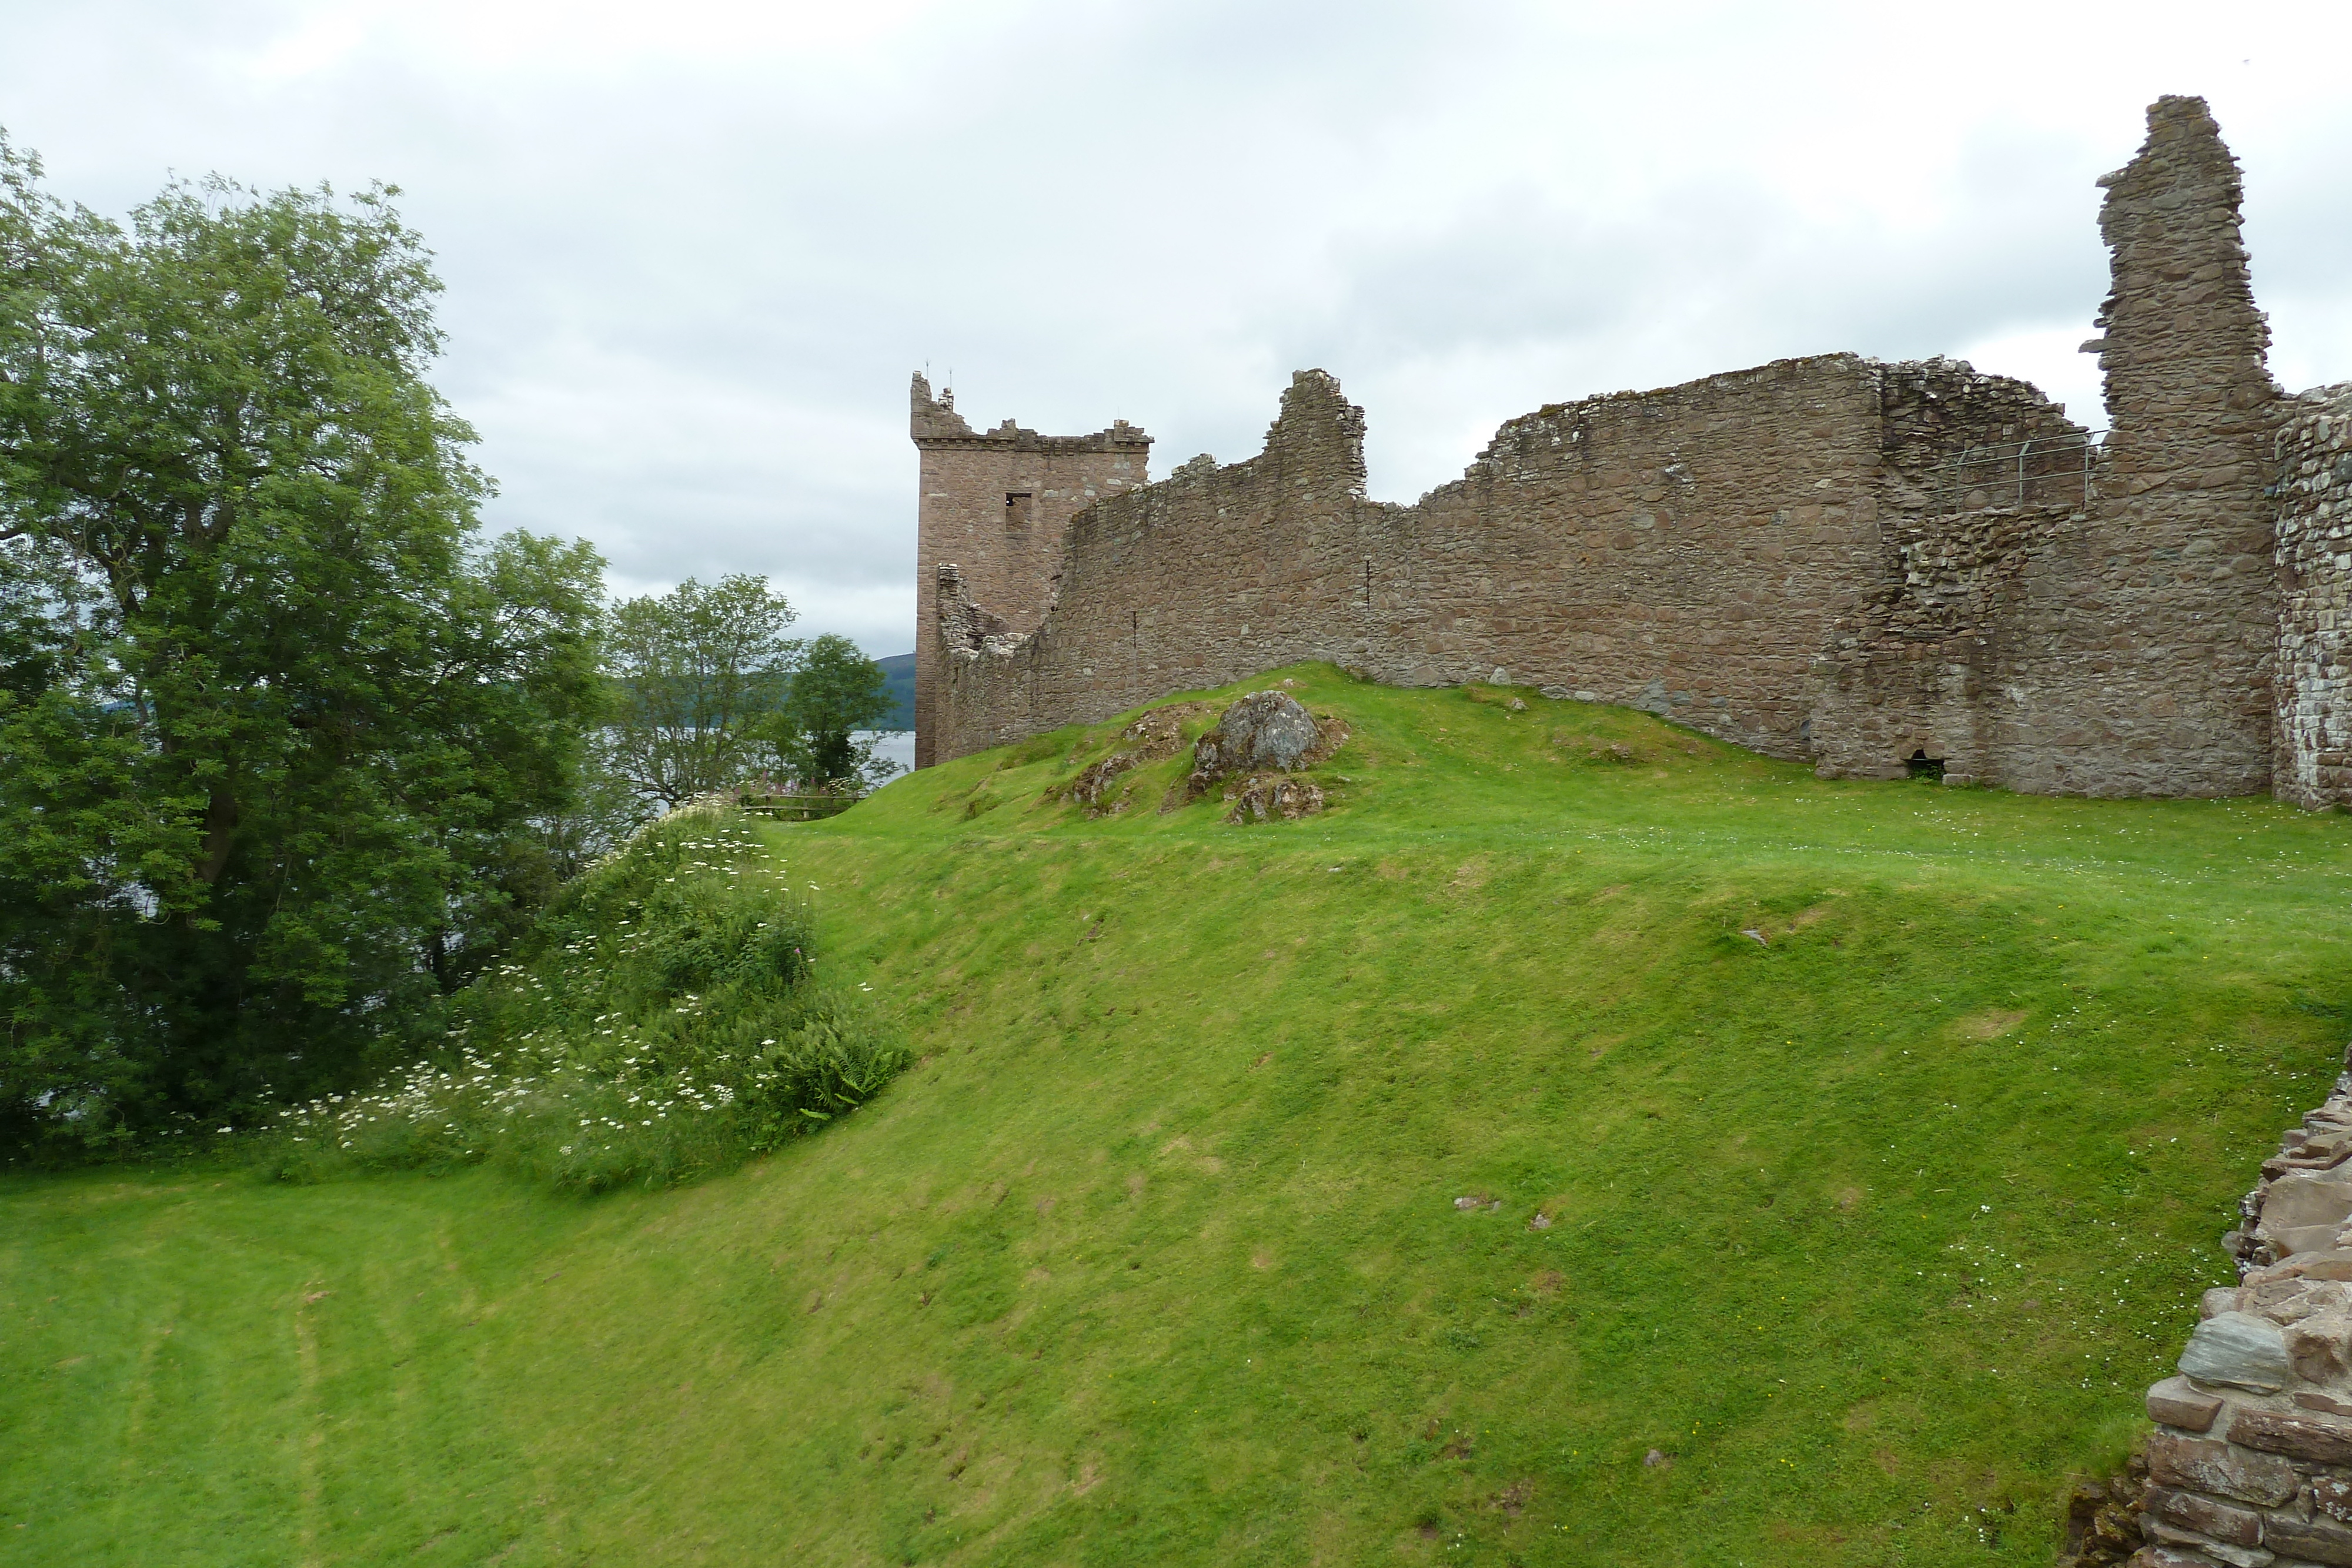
point(695, 672)
point(603, 810)
point(275, 725)
point(836, 692)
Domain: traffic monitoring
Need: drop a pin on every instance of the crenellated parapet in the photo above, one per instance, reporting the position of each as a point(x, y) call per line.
point(996, 505)
point(935, 425)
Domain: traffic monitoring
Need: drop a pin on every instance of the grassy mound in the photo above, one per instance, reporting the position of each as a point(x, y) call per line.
point(1583, 1144)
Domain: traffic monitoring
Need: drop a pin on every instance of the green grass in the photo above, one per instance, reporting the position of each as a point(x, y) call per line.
point(1875, 1232)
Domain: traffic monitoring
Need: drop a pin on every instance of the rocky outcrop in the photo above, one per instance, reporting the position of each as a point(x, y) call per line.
point(1157, 735)
point(1274, 799)
point(1252, 751)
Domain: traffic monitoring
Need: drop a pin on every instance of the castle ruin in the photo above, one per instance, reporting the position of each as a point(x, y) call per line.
point(1879, 569)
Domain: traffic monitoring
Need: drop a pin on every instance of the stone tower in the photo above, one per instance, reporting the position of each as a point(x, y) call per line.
point(997, 506)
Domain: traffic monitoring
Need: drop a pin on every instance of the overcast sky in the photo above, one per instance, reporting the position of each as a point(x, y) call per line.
point(693, 249)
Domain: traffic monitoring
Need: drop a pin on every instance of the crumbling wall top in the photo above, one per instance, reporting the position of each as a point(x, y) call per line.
point(2181, 335)
point(935, 424)
point(1319, 426)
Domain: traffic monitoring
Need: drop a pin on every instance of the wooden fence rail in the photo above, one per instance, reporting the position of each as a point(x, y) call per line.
point(800, 808)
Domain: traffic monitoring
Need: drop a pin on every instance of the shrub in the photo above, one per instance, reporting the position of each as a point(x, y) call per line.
point(666, 1019)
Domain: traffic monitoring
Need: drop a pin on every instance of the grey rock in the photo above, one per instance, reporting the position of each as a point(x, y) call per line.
point(2303, 1210)
point(2315, 1541)
point(2240, 1350)
point(2175, 1402)
point(1263, 730)
point(2202, 1464)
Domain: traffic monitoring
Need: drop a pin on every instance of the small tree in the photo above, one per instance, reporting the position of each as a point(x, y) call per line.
point(836, 693)
point(694, 673)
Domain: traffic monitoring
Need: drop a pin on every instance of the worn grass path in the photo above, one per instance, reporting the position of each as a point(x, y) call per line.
point(1872, 1233)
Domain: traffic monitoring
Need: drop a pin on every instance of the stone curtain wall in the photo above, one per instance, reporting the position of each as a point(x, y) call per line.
point(1921, 667)
point(2315, 571)
point(1009, 552)
point(1209, 571)
point(1683, 550)
point(1689, 551)
point(2251, 1463)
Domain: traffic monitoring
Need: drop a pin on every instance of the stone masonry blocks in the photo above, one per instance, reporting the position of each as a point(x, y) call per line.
point(2252, 1456)
point(997, 505)
point(2313, 559)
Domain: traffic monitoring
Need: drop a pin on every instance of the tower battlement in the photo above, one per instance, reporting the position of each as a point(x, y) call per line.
point(996, 506)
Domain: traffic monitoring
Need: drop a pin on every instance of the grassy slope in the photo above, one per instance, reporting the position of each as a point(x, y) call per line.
point(1876, 1232)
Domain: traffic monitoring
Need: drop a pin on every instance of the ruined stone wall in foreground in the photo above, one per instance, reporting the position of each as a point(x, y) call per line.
point(2315, 570)
point(2251, 1464)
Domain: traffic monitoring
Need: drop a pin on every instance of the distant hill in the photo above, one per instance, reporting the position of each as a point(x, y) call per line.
point(900, 668)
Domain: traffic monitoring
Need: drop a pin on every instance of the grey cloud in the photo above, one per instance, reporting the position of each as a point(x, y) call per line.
point(686, 288)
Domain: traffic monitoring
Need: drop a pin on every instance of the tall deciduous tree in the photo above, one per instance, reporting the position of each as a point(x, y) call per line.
point(695, 671)
point(275, 723)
